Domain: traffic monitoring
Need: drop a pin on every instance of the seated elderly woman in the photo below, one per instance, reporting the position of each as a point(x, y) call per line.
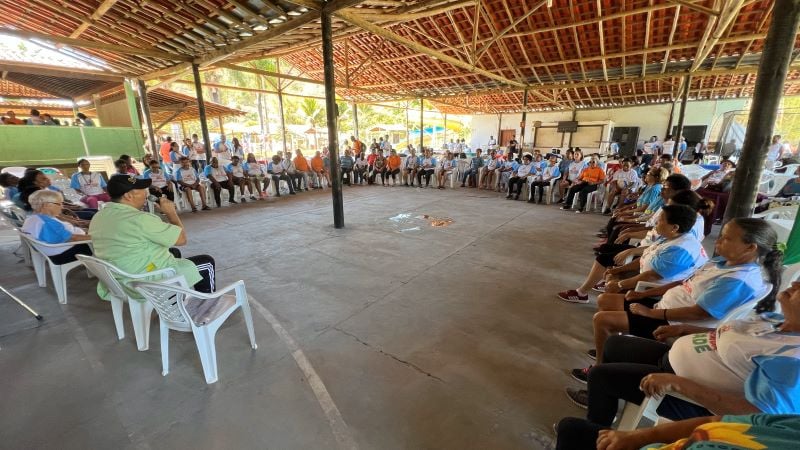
point(44, 225)
point(91, 184)
point(611, 254)
point(719, 180)
point(256, 175)
point(742, 366)
point(746, 247)
point(426, 169)
point(622, 182)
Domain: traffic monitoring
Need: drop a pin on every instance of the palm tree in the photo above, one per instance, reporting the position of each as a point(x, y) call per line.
point(314, 114)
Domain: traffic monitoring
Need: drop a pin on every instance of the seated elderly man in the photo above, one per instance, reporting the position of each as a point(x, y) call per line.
point(44, 225)
point(161, 182)
point(301, 167)
point(475, 165)
point(219, 178)
point(139, 242)
point(277, 171)
point(90, 184)
point(318, 168)
point(410, 165)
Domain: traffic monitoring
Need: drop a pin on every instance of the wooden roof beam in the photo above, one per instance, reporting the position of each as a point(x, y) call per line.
point(394, 37)
point(505, 30)
point(716, 27)
point(57, 71)
point(692, 5)
point(96, 15)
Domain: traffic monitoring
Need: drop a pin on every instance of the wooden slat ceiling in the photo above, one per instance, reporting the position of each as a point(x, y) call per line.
point(465, 56)
point(167, 105)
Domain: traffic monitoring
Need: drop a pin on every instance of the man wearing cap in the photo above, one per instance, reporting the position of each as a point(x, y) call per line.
point(139, 242)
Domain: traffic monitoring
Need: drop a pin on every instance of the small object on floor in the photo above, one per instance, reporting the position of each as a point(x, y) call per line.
point(242, 200)
point(581, 375)
point(252, 197)
point(580, 397)
point(194, 210)
point(572, 296)
point(592, 353)
point(578, 211)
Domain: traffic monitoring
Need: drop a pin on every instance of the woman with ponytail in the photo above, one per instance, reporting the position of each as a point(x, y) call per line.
point(747, 252)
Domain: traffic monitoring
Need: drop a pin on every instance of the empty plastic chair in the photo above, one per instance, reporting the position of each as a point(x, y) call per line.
point(182, 309)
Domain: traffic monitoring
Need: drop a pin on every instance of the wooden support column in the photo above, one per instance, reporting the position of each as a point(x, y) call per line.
point(421, 124)
point(136, 123)
point(355, 120)
point(499, 129)
point(151, 137)
point(669, 122)
point(221, 125)
point(772, 70)
point(445, 129)
point(201, 107)
point(687, 81)
point(408, 135)
point(574, 116)
point(524, 118)
point(280, 105)
point(330, 110)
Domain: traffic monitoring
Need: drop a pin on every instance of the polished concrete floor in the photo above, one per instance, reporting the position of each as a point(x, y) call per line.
point(387, 334)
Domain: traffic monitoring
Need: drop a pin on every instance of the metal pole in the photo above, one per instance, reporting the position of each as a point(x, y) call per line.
point(355, 119)
point(524, 117)
point(330, 110)
point(772, 69)
point(574, 115)
point(421, 125)
point(21, 303)
point(201, 107)
point(684, 100)
point(151, 137)
point(445, 129)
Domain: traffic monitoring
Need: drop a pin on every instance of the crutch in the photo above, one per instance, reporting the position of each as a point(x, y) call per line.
point(35, 314)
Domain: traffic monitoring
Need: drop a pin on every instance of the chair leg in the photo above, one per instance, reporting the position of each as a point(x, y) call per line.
point(59, 282)
point(204, 338)
point(164, 331)
point(39, 268)
point(141, 313)
point(248, 321)
point(117, 307)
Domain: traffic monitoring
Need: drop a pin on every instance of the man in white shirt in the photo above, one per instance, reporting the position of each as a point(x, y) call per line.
point(668, 147)
point(222, 151)
point(198, 154)
point(776, 150)
point(520, 176)
point(492, 143)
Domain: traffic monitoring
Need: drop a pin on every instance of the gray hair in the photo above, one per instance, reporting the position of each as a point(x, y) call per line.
point(42, 197)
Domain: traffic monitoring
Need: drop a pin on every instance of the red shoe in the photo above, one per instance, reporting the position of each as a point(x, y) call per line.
point(572, 296)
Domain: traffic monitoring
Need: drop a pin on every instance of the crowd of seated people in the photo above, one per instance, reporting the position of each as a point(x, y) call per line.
point(670, 318)
point(35, 117)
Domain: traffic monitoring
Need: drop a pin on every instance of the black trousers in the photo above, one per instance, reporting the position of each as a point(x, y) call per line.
point(410, 175)
point(347, 173)
point(583, 190)
point(468, 173)
point(541, 185)
point(359, 175)
point(577, 434)
point(217, 188)
point(427, 173)
point(626, 360)
point(394, 173)
point(206, 266)
point(518, 182)
point(277, 180)
point(67, 256)
point(374, 175)
point(163, 192)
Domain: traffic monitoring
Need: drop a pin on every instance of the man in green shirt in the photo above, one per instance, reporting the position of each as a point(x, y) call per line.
point(139, 242)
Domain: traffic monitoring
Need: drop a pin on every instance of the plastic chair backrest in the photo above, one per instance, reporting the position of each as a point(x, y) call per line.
point(790, 275)
point(108, 274)
point(167, 298)
point(743, 310)
point(14, 214)
point(781, 212)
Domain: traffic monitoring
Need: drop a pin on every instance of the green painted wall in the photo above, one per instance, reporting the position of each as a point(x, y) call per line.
point(30, 145)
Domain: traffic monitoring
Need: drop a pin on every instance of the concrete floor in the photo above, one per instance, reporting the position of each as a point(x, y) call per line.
point(422, 337)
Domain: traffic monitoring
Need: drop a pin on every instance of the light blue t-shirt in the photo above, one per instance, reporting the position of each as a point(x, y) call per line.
point(774, 386)
point(179, 175)
point(676, 259)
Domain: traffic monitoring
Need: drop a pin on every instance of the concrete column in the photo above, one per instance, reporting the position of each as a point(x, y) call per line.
point(772, 69)
point(151, 137)
point(524, 118)
point(330, 109)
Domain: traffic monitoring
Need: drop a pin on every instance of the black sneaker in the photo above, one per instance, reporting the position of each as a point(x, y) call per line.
point(592, 353)
point(579, 396)
point(242, 200)
point(233, 201)
point(581, 375)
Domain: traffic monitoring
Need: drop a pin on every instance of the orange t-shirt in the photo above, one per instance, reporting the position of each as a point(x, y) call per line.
point(317, 164)
point(300, 163)
point(393, 162)
point(593, 175)
point(164, 151)
point(14, 121)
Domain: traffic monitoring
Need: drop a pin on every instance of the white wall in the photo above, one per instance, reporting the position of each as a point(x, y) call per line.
point(651, 119)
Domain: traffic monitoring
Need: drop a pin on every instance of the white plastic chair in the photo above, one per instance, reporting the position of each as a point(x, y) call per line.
point(632, 414)
point(140, 310)
point(182, 309)
point(57, 271)
point(790, 275)
point(781, 212)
